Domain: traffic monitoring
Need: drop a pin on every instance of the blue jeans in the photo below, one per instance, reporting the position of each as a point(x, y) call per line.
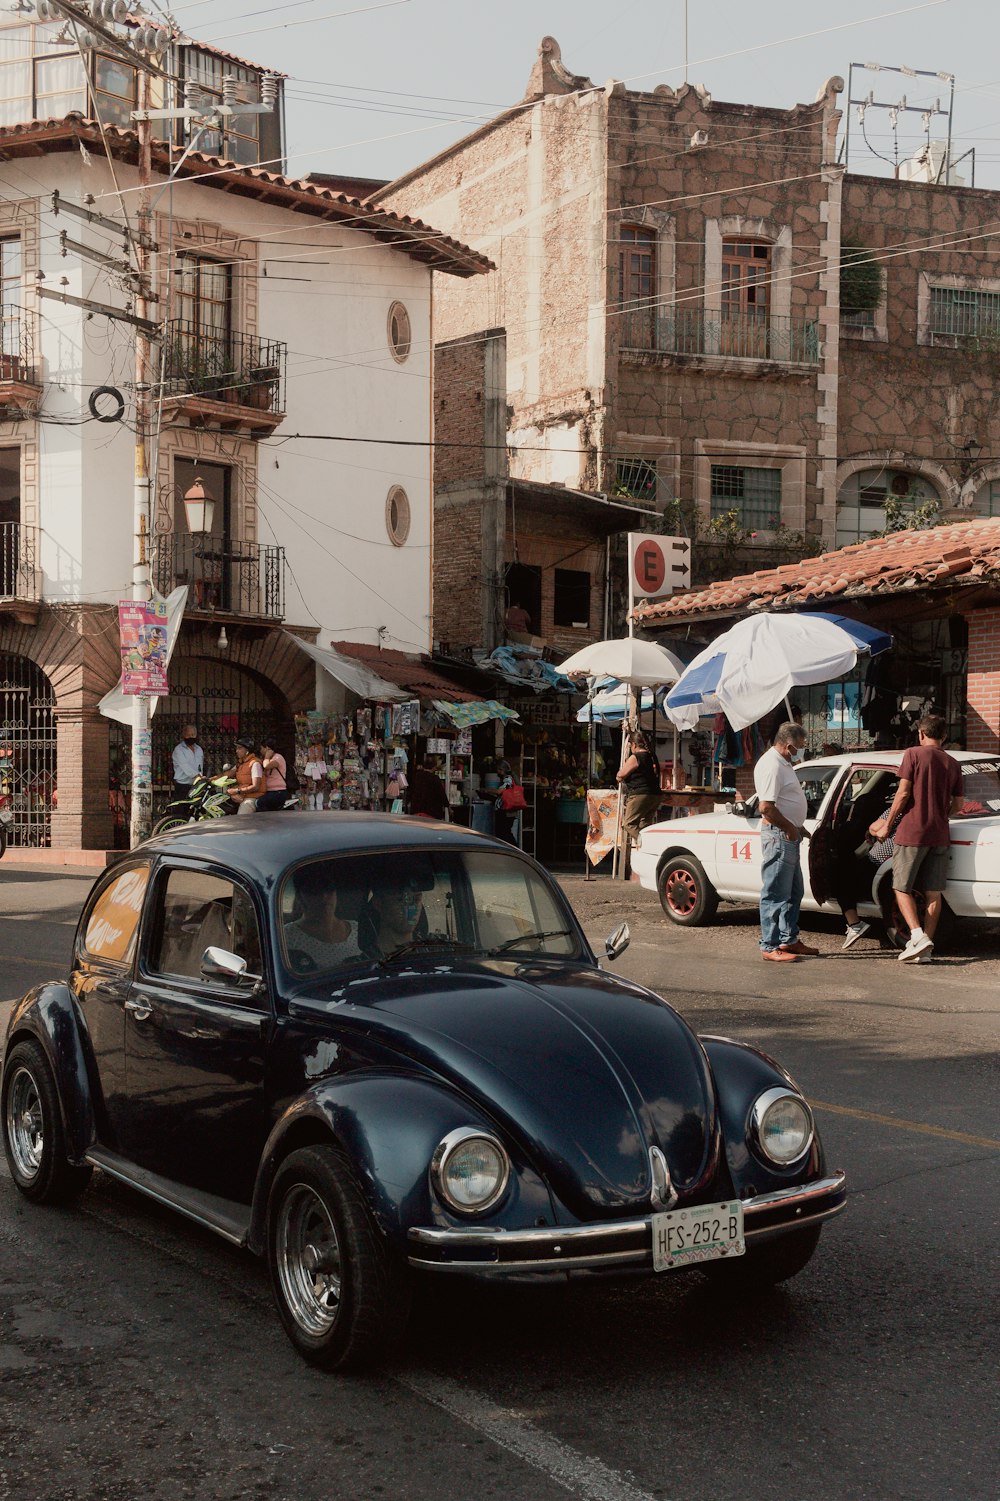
point(781, 888)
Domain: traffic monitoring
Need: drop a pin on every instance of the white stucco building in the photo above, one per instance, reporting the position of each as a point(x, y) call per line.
point(294, 381)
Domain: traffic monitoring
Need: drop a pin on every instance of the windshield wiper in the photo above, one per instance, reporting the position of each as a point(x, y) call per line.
point(513, 943)
point(429, 940)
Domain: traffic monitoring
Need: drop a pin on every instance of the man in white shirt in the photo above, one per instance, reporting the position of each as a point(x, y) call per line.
point(189, 761)
point(783, 809)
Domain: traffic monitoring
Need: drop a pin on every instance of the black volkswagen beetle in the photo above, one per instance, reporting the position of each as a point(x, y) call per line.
point(368, 1047)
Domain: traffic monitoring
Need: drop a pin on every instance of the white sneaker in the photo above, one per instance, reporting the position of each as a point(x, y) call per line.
point(924, 959)
point(855, 931)
point(915, 948)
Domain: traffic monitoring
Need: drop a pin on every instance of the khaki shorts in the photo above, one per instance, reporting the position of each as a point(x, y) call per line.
point(923, 864)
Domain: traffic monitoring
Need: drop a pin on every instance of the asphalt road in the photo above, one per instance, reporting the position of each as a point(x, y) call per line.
point(140, 1357)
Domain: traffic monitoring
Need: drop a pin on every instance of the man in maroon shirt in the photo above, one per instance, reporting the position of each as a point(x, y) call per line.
point(930, 791)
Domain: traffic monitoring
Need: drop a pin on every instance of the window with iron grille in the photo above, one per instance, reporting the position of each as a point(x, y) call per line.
point(754, 494)
point(965, 314)
point(571, 597)
point(636, 478)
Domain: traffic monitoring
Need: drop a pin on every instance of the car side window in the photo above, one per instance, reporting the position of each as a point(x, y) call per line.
point(195, 911)
point(815, 781)
point(114, 918)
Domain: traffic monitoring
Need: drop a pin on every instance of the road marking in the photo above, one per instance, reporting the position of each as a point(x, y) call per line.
point(587, 1478)
point(918, 1126)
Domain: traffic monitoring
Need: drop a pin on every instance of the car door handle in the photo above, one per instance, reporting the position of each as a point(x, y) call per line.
point(140, 1009)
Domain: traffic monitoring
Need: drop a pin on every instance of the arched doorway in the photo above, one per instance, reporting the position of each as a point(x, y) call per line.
point(223, 700)
point(27, 749)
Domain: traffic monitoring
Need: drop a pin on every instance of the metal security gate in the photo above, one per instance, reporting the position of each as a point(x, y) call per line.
point(27, 750)
point(223, 701)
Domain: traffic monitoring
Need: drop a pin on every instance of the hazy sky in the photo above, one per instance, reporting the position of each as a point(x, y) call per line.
point(377, 92)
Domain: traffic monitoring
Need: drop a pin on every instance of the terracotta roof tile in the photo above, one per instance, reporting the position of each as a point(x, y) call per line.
point(883, 565)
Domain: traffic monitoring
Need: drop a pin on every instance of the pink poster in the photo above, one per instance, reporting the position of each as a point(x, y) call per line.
point(142, 630)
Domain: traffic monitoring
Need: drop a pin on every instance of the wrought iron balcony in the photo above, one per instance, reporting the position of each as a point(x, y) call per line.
point(693, 332)
point(237, 380)
point(20, 385)
point(18, 568)
point(223, 576)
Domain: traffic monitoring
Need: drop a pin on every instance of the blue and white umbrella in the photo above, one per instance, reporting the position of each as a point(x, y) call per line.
point(750, 668)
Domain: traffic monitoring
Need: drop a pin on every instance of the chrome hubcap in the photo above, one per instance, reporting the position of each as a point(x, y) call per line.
point(309, 1260)
point(25, 1126)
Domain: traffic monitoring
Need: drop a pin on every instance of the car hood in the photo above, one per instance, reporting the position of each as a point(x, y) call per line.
point(587, 1071)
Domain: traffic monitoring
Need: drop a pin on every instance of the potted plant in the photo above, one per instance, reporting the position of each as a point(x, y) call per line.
point(262, 388)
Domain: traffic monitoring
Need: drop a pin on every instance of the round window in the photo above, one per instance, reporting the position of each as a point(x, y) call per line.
point(399, 332)
point(397, 515)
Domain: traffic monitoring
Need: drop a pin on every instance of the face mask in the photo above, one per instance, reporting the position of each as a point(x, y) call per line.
point(799, 755)
point(190, 739)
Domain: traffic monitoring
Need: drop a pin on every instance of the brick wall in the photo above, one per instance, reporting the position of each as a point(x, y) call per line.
point(983, 723)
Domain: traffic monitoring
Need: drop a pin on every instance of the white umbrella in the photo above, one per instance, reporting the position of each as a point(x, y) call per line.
point(640, 664)
point(637, 663)
point(749, 669)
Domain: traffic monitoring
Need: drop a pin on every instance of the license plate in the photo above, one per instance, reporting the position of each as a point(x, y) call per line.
point(684, 1237)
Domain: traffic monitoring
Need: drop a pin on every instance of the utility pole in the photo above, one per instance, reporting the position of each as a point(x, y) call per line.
point(141, 813)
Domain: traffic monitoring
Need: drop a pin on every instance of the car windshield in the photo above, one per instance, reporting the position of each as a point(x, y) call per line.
point(981, 788)
point(349, 911)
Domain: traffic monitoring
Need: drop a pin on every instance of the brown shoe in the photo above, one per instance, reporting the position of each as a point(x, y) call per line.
point(782, 955)
point(802, 950)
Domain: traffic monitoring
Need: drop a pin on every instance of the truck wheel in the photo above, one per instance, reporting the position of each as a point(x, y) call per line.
point(342, 1298)
point(33, 1136)
point(687, 896)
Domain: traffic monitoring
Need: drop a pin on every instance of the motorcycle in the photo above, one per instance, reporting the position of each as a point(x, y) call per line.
point(208, 798)
point(6, 819)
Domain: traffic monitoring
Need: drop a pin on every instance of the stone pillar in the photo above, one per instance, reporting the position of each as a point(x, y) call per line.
point(82, 819)
point(983, 686)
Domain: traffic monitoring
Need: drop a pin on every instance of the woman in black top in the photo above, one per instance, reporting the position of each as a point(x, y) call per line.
point(640, 778)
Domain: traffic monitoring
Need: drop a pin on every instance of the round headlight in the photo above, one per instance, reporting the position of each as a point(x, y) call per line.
point(470, 1170)
point(782, 1126)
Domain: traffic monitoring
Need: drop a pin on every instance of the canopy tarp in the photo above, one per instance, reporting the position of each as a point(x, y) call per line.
point(476, 712)
point(352, 674)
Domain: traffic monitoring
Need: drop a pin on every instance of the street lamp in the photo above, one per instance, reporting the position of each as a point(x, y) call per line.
point(199, 507)
point(970, 452)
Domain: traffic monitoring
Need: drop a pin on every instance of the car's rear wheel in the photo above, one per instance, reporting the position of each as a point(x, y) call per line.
point(33, 1137)
point(687, 896)
point(765, 1265)
point(342, 1298)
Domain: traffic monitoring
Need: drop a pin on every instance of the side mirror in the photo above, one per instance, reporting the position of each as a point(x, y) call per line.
point(220, 964)
point(617, 941)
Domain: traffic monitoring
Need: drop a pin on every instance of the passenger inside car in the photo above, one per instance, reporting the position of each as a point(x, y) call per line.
point(318, 936)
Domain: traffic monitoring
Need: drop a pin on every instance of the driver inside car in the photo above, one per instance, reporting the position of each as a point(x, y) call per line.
point(394, 916)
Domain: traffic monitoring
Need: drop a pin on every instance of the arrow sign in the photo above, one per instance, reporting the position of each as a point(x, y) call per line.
point(650, 574)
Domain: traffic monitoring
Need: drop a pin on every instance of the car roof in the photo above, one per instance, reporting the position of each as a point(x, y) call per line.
point(264, 845)
point(893, 757)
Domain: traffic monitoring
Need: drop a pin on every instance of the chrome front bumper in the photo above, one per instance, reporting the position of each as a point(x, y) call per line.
point(625, 1243)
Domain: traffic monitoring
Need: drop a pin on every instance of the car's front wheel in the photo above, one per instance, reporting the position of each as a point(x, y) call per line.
point(765, 1265)
point(687, 896)
point(342, 1298)
point(33, 1137)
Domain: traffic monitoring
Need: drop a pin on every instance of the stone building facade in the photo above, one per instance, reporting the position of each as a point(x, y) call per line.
point(668, 279)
